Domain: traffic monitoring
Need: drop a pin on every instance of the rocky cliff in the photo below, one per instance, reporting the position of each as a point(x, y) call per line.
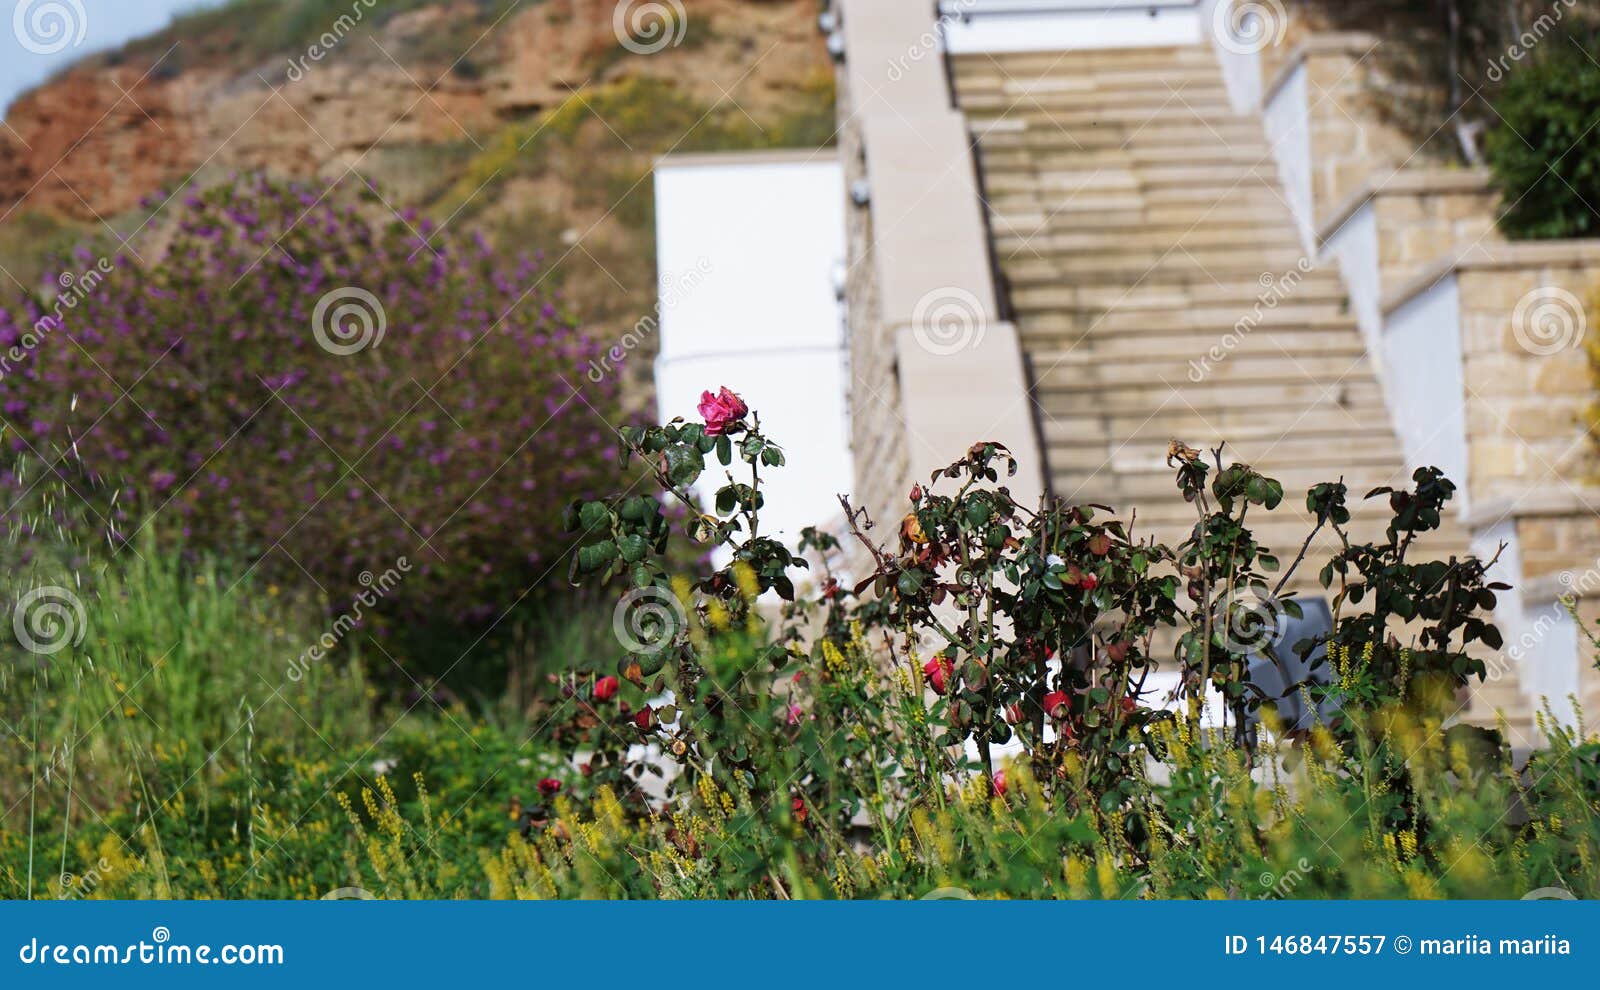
point(537, 120)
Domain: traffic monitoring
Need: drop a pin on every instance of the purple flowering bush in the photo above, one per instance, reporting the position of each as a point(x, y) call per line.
point(315, 386)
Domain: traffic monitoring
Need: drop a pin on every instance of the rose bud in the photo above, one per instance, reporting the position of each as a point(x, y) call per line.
point(549, 787)
point(645, 718)
point(999, 783)
point(1089, 582)
point(1057, 704)
point(1014, 714)
point(939, 671)
point(798, 806)
point(794, 714)
point(916, 493)
point(1128, 704)
point(605, 688)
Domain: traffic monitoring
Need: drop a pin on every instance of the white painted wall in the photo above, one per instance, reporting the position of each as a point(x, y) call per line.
point(747, 253)
point(1287, 118)
point(1355, 247)
point(972, 26)
point(1241, 65)
point(1422, 358)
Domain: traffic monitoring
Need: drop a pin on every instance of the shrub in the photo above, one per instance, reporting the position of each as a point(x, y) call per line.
point(321, 387)
point(1543, 153)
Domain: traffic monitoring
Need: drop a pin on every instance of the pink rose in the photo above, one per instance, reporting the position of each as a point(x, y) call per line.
point(721, 410)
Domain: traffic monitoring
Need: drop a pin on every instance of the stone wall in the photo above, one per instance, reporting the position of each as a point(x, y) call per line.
point(1524, 319)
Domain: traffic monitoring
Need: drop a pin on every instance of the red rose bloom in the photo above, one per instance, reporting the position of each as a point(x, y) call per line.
point(549, 786)
point(721, 410)
point(605, 689)
point(1089, 582)
point(1057, 704)
point(645, 718)
point(939, 671)
point(1000, 783)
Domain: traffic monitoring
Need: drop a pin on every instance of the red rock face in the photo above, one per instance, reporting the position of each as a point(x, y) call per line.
point(90, 144)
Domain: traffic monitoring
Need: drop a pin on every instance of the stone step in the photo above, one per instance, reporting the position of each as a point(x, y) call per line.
point(1029, 215)
point(1289, 320)
point(1073, 451)
point(1177, 269)
point(1131, 119)
point(1201, 237)
point(1087, 61)
point(1051, 97)
point(1035, 263)
point(1048, 348)
point(1195, 179)
point(1059, 396)
point(1008, 134)
point(1238, 295)
point(1260, 364)
point(1136, 157)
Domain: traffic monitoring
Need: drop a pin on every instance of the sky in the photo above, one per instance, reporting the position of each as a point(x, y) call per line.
point(39, 37)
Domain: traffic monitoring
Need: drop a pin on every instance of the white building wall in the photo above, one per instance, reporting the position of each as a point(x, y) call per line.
point(1287, 118)
point(1422, 362)
point(748, 248)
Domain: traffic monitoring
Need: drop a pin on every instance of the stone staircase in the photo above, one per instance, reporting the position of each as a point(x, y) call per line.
point(1160, 291)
